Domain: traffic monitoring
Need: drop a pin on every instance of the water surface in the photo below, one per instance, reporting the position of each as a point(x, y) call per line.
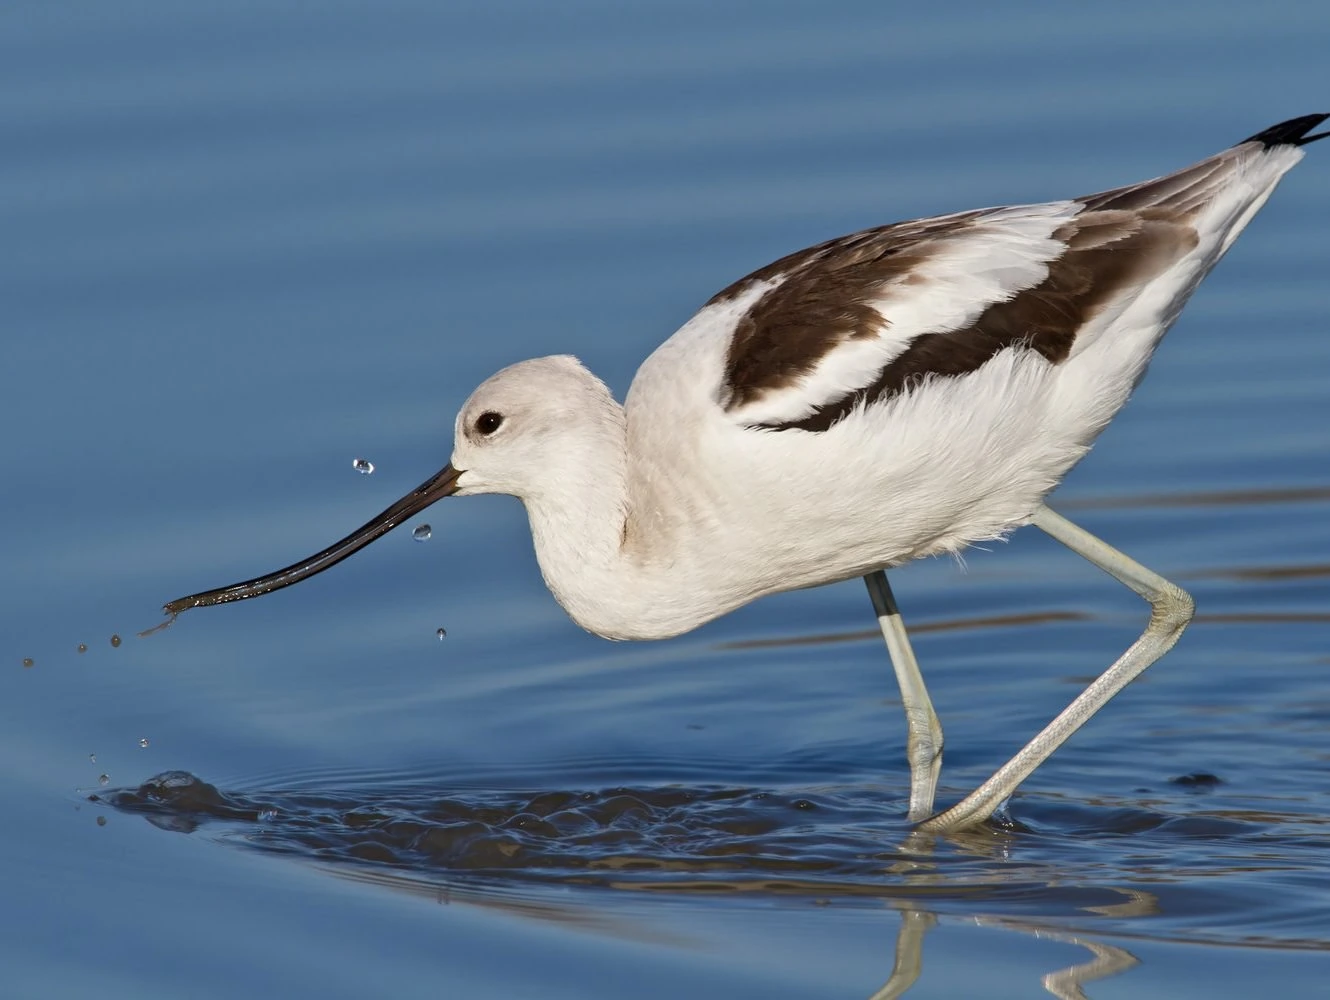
point(248, 244)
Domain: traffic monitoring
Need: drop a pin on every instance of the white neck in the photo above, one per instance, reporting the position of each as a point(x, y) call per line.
point(612, 526)
point(587, 539)
point(600, 526)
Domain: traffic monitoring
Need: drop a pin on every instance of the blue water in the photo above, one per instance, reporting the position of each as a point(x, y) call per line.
point(247, 243)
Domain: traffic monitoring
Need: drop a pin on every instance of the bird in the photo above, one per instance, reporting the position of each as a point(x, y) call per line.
point(901, 392)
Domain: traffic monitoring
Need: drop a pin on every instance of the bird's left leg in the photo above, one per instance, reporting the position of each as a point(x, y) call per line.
point(923, 744)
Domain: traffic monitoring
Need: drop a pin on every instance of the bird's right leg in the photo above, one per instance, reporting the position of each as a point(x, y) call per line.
point(1171, 609)
point(923, 744)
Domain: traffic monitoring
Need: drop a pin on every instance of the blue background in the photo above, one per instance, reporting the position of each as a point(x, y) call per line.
point(246, 243)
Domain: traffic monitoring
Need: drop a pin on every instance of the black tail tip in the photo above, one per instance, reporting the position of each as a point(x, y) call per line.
point(1290, 133)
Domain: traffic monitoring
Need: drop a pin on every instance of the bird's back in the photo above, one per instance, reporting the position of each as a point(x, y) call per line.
point(915, 387)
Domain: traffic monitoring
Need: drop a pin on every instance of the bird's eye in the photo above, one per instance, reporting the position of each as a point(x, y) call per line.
point(488, 422)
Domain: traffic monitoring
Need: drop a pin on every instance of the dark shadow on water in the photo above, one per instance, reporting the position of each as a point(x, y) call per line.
point(1073, 863)
point(1259, 496)
point(1161, 867)
point(916, 628)
point(1201, 619)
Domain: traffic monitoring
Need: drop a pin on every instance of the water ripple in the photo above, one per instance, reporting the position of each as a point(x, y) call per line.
point(1188, 869)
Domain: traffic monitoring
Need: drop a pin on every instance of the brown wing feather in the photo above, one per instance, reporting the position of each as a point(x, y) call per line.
point(825, 299)
point(1122, 239)
point(1106, 254)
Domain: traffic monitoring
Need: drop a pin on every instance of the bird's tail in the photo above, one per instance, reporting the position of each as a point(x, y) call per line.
point(1290, 133)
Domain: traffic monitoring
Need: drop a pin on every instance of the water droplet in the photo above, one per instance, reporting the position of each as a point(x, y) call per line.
point(442, 634)
point(115, 641)
point(267, 815)
point(363, 465)
point(27, 661)
point(83, 647)
point(92, 757)
point(143, 743)
point(422, 532)
point(103, 779)
point(101, 820)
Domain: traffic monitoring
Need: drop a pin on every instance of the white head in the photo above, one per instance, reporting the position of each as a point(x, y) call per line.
point(533, 424)
point(542, 430)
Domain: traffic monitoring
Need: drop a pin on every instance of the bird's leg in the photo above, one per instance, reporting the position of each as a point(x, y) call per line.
point(923, 744)
point(909, 962)
point(1171, 609)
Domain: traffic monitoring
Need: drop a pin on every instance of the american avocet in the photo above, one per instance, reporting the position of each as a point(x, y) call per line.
point(896, 393)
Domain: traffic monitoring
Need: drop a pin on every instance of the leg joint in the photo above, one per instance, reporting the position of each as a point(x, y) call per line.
point(1171, 608)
